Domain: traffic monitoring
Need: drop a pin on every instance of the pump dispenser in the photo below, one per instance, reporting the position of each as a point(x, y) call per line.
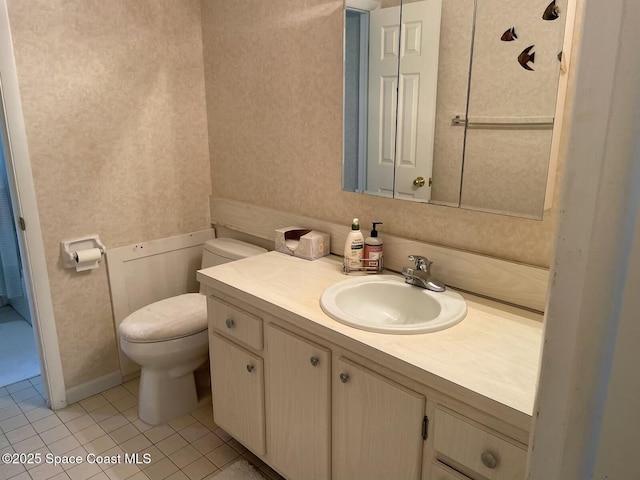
point(353, 247)
point(373, 246)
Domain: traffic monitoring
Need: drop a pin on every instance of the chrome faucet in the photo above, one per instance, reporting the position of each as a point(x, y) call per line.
point(420, 276)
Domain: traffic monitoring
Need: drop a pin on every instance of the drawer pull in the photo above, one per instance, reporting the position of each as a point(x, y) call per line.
point(250, 368)
point(344, 377)
point(229, 323)
point(489, 460)
point(314, 361)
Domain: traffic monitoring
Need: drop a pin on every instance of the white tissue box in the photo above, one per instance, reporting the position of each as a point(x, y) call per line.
point(302, 242)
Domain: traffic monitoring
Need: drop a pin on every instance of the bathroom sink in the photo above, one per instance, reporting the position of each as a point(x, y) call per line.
point(385, 303)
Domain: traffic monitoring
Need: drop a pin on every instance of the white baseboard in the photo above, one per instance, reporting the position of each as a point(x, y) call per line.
point(131, 376)
point(98, 385)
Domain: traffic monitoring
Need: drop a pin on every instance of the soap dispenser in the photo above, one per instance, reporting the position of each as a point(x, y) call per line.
point(373, 246)
point(353, 248)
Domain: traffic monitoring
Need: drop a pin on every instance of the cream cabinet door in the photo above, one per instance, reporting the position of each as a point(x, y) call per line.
point(377, 427)
point(237, 385)
point(298, 405)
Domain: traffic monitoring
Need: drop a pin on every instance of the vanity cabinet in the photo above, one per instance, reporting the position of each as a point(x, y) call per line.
point(378, 426)
point(314, 409)
point(298, 405)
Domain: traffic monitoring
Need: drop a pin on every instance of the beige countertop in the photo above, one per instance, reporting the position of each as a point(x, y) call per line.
point(494, 352)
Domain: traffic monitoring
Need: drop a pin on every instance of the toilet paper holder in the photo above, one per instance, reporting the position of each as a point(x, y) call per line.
point(82, 253)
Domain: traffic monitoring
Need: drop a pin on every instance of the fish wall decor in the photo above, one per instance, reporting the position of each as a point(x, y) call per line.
point(527, 56)
point(509, 35)
point(552, 12)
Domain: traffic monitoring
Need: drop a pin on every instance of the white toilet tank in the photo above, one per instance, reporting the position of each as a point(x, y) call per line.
point(223, 250)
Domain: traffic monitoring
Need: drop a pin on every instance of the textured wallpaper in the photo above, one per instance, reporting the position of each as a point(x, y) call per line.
point(114, 106)
point(274, 96)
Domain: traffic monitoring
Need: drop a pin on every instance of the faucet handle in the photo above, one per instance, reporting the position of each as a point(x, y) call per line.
point(422, 263)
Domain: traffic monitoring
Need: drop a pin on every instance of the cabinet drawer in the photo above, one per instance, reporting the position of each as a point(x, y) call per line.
point(237, 385)
point(236, 323)
point(459, 442)
point(439, 473)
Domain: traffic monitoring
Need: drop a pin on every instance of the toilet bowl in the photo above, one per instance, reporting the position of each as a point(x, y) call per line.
point(169, 340)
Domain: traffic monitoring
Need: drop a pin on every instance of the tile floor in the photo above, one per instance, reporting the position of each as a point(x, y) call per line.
point(192, 447)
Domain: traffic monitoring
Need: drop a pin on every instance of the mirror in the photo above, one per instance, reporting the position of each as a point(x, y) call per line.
point(452, 102)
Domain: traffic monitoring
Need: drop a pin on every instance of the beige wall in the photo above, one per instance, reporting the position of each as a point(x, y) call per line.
point(114, 106)
point(274, 95)
point(114, 103)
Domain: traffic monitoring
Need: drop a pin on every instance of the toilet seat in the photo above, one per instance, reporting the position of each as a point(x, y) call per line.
point(168, 319)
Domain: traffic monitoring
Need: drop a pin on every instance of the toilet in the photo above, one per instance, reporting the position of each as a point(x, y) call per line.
point(169, 340)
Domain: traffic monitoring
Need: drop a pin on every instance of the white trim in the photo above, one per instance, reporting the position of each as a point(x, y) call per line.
point(93, 387)
point(363, 5)
point(149, 248)
point(597, 214)
point(23, 197)
point(620, 424)
point(561, 104)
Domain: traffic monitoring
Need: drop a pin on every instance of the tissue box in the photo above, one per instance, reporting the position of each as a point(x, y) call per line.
point(302, 242)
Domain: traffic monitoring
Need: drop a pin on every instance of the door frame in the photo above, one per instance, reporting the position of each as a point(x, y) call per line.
point(363, 102)
point(597, 215)
point(24, 204)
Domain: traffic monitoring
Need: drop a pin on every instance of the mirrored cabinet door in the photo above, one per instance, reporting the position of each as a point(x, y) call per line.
point(406, 75)
point(452, 102)
point(512, 102)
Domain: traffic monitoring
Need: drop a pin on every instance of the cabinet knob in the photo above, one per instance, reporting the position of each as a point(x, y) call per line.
point(250, 368)
point(344, 377)
point(229, 323)
point(314, 361)
point(489, 460)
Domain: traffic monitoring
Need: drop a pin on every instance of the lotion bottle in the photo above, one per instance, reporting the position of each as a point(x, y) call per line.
point(354, 246)
point(373, 246)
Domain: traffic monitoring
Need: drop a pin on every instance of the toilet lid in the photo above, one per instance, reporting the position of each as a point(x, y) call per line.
point(166, 319)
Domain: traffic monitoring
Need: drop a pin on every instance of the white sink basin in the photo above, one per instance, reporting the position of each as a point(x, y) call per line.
point(385, 303)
